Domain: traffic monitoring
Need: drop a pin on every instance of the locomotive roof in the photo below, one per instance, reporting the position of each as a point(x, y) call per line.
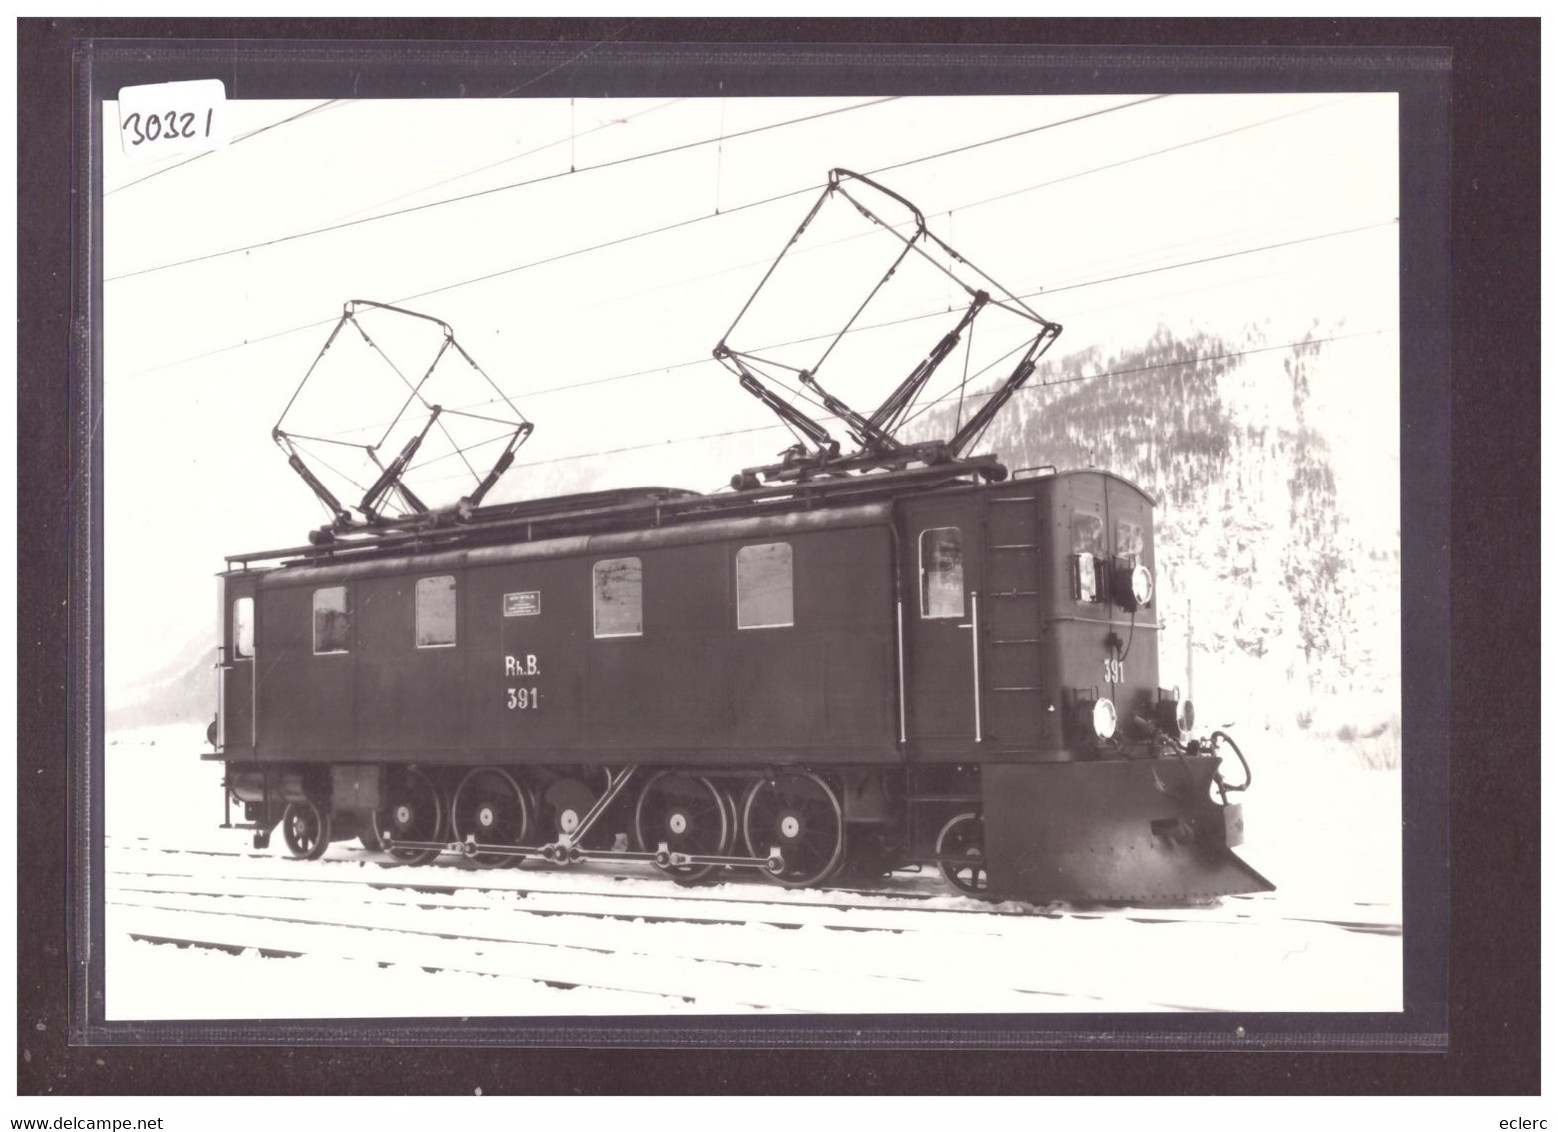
point(1130, 483)
point(584, 519)
point(783, 524)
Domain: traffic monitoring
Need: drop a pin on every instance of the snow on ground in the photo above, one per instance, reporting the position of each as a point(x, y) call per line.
point(536, 941)
point(250, 985)
point(1322, 829)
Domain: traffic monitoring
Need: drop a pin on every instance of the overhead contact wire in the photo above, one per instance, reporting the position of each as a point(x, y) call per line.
point(937, 313)
point(497, 189)
point(978, 396)
point(519, 156)
point(698, 220)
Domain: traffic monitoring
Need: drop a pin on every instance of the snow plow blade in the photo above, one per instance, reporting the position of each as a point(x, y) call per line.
point(1118, 830)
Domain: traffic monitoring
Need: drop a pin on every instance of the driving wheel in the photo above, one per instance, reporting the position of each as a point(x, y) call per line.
point(798, 812)
point(687, 815)
point(413, 811)
point(490, 807)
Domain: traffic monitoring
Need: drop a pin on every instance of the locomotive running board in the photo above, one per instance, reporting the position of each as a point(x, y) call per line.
point(1115, 830)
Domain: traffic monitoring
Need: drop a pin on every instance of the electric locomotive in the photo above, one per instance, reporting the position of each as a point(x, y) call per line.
point(852, 661)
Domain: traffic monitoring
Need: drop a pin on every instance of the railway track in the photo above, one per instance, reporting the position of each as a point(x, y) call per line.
point(748, 898)
point(596, 883)
point(737, 946)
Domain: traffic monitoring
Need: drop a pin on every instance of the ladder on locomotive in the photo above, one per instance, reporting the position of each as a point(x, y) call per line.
point(1015, 704)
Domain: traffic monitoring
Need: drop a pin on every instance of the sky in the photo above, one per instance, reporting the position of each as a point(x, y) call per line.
point(589, 255)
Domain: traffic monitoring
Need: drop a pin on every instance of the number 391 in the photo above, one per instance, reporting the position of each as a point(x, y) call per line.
point(1114, 671)
point(169, 125)
point(522, 698)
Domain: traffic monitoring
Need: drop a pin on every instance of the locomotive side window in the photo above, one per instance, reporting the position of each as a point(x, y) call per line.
point(765, 586)
point(243, 628)
point(619, 597)
point(1128, 541)
point(941, 572)
point(1087, 551)
point(435, 612)
point(332, 622)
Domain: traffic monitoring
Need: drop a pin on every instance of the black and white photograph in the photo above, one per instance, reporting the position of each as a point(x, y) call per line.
point(614, 556)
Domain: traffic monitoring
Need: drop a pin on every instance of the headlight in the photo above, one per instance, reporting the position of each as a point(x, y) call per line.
point(1104, 718)
point(1141, 585)
point(1187, 716)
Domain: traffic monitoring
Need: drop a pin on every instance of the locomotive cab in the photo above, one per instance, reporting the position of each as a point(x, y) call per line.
point(1032, 630)
point(1032, 655)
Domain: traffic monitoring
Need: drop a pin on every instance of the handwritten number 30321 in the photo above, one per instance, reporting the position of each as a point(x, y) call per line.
point(169, 125)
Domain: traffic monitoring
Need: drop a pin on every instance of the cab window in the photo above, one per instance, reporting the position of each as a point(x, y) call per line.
point(435, 612)
point(1087, 556)
point(332, 620)
point(619, 597)
point(765, 586)
point(243, 628)
point(941, 572)
point(1087, 535)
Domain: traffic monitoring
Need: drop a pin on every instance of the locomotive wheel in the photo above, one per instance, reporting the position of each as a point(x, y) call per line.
point(489, 805)
point(306, 830)
point(688, 815)
point(800, 813)
point(563, 806)
point(964, 838)
point(413, 811)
